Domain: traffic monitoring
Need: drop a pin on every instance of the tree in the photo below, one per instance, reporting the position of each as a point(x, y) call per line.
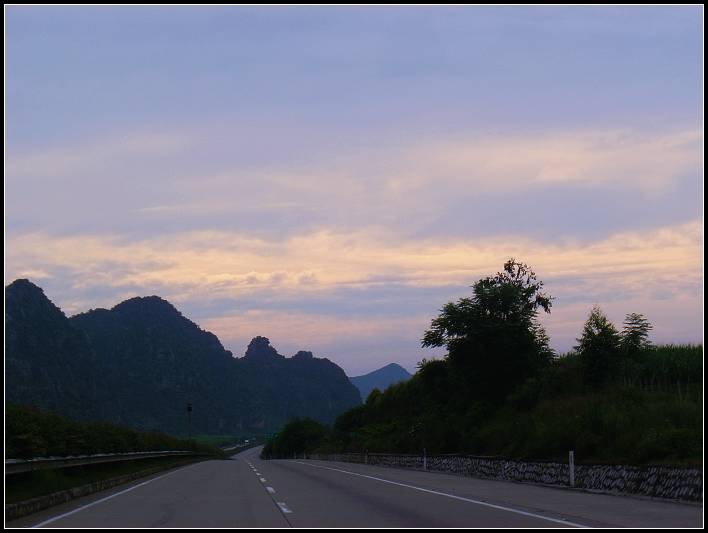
point(297, 437)
point(494, 339)
point(635, 335)
point(599, 347)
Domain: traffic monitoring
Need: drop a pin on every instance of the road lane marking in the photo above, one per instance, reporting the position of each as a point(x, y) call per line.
point(454, 497)
point(283, 507)
point(59, 517)
point(270, 490)
point(263, 480)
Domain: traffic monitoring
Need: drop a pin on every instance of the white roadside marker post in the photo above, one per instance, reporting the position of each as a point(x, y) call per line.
point(571, 468)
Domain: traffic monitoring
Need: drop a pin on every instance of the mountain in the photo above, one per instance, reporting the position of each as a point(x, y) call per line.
point(153, 361)
point(48, 362)
point(380, 379)
point(141, 362)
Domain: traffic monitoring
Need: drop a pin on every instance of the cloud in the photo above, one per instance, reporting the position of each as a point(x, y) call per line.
point(199, 265)
point(308, 330)
point(275, 183)
point(644, 161)
point(278, 243)
point(92, 156)
point(364, 296)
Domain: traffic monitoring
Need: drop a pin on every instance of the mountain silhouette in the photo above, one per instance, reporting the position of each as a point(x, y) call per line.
point(48, 362)
point(380, 379)
point(142, 361)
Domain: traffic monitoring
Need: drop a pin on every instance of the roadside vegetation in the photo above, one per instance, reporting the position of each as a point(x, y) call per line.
point(501, 390)
point(27, 485)
point(30, 432)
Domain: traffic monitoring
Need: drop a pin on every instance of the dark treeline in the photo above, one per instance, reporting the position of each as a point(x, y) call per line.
point(31, 432)
point(501, 390)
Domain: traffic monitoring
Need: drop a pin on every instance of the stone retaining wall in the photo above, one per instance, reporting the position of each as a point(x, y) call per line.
point(671, 482)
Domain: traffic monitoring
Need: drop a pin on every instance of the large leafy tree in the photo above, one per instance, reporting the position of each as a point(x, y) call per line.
point(599, 347)
point(494, 338)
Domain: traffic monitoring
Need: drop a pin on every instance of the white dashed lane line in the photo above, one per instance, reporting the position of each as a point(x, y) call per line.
point(271, 492)
point(284, 507)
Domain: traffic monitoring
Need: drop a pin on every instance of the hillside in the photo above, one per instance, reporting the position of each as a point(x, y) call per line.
point(140, 363)
point(48, 362)
point(380, 379)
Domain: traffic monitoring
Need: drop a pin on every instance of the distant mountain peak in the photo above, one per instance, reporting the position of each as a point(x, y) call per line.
point(23, 286)
point(380, 379)
point(147, 304)
point(23, 282)
point(141, 307)
point(260, 349)
point(23, 297)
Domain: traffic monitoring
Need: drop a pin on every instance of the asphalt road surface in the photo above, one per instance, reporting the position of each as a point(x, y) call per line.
point(248, 492)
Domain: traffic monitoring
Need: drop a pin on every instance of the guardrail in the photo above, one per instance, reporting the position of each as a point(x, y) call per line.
point(16, 466)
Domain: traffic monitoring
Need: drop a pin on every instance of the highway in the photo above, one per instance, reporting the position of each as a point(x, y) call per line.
point(249, 492)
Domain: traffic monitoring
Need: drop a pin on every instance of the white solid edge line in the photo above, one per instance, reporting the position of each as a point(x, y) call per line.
point(59, 517)
point(271, 490)
point(469, 500)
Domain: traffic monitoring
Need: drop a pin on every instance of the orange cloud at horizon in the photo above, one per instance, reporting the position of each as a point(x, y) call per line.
point(656, 272)
point(201, 264)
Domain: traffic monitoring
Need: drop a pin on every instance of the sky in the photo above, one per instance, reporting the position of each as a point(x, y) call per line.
point(329, 177)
